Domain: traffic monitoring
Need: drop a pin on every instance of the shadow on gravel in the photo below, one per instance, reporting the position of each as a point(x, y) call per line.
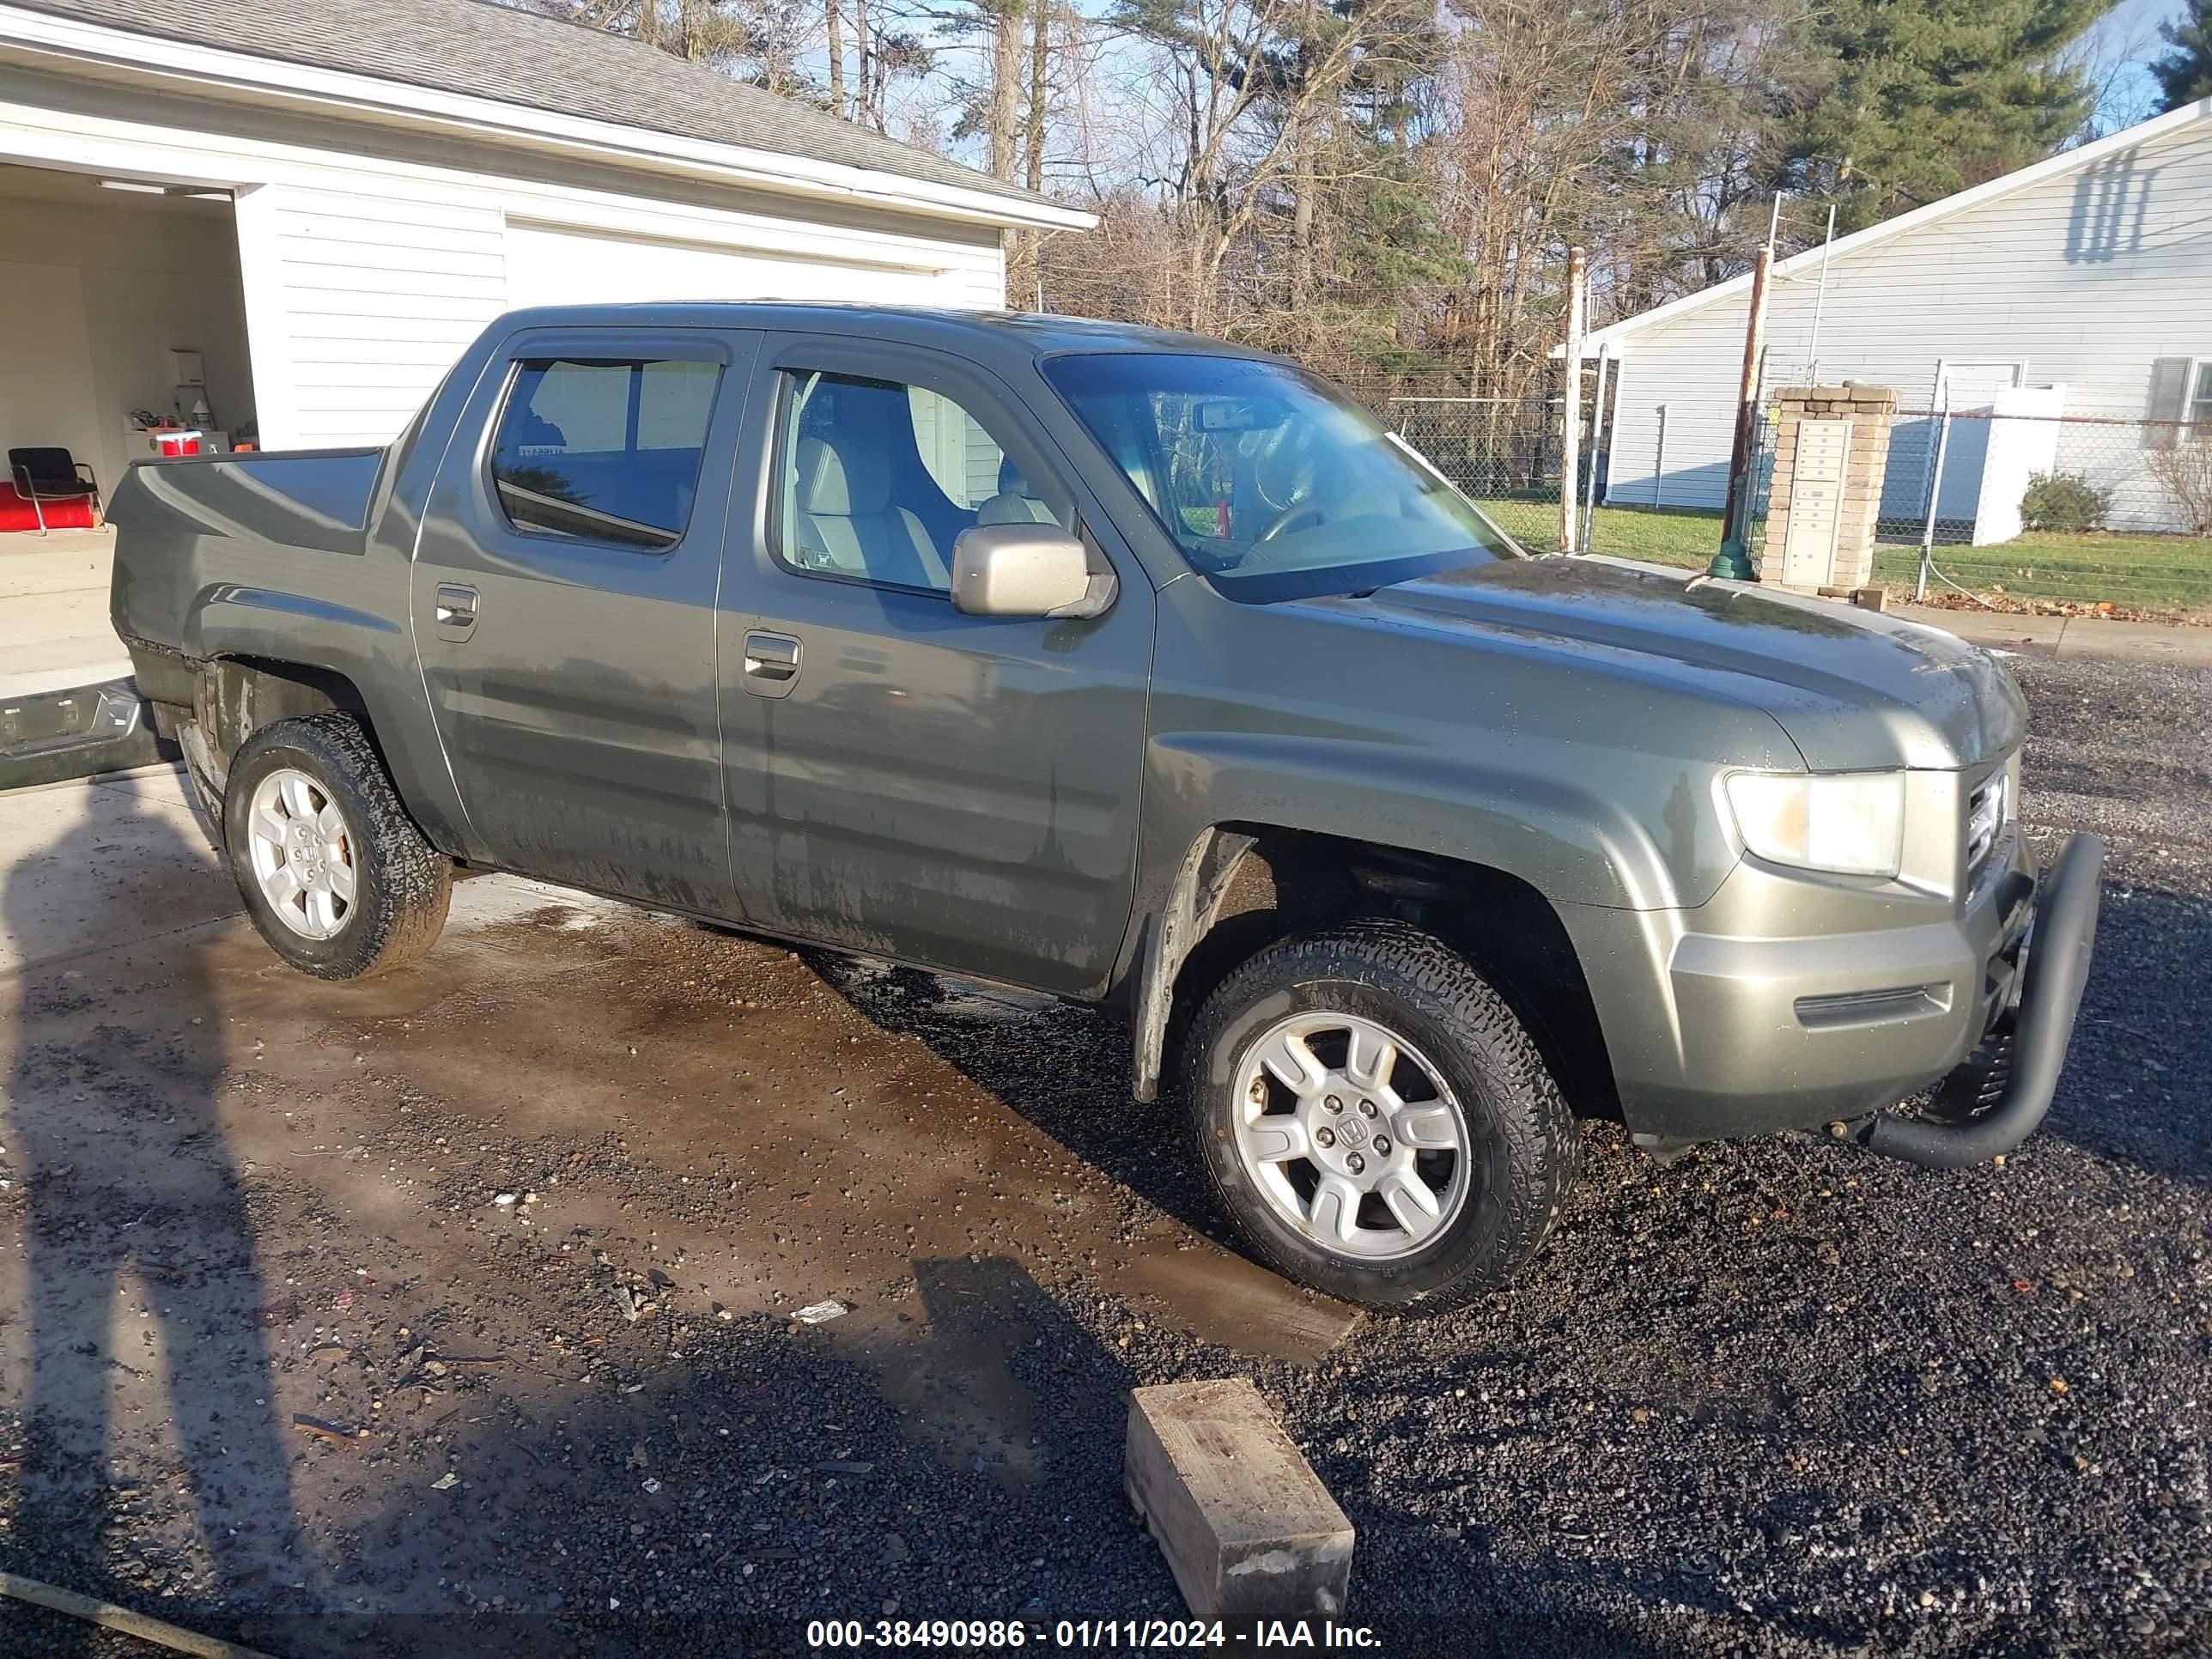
point(142, 1281)
point(788, 1473)
point(963, 1461)
point(1429, 1590)
point(2133, 1088)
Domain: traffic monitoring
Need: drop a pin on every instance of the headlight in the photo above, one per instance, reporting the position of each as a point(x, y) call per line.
point(1852, 823)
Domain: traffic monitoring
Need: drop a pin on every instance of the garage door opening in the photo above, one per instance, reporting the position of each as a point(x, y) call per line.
point(125, 308)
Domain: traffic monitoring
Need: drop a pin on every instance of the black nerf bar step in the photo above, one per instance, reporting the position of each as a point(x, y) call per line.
point(2059, 945)
point(46, 737)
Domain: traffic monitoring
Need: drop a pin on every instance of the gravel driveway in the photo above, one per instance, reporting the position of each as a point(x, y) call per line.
point(523, 1234)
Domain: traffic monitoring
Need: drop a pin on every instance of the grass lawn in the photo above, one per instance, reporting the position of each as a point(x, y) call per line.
point(2154, 572)
point(1663, 535)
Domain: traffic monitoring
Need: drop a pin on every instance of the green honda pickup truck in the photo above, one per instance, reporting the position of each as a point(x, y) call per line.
point(1139, 670)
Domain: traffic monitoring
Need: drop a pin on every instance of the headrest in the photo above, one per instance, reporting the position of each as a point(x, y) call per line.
point(843, 482)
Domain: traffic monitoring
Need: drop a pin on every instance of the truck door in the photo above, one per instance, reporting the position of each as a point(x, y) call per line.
point(563, 607)
point(903, 779)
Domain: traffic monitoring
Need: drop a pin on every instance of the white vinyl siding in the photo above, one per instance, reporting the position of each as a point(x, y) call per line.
point(553, 266)
point(2085, 279)
point(369, 258)
point(364, 302)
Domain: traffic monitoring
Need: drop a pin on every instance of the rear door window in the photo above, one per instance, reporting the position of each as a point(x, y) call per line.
point(603, 450)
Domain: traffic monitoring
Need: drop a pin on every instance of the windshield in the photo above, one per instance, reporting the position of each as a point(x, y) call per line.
point(1273, 486)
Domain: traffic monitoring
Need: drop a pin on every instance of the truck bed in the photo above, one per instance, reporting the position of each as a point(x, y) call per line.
point(186, 528)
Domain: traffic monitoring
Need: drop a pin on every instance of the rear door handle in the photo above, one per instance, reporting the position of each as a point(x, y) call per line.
point(455, 612)
point(771, 664)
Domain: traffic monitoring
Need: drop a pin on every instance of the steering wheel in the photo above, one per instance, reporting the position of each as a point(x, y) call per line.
point(1290, 517)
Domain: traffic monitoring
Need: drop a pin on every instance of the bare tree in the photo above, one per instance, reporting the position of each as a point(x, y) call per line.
point(1002, 112)
point(1040, 85)
point(2184, 470)
point(1386, 188)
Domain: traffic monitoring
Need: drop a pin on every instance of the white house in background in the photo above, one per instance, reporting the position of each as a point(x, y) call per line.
point(2089, 274)
point(326, 201)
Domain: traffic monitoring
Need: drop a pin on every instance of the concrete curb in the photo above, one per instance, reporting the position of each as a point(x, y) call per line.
point(2070, 636)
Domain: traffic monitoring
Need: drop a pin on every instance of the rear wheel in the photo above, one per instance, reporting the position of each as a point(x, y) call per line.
point(1377, 1120)
point(336, 876)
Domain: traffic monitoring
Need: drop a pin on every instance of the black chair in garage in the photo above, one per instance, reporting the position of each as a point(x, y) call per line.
point(50, 473)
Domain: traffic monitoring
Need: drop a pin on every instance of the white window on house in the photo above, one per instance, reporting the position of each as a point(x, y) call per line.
point(2180, 400)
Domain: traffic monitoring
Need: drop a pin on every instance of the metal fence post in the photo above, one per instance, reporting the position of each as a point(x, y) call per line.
point(1571, 414)
point(1732, 561)
point(1935, 494)
point(1597, 432)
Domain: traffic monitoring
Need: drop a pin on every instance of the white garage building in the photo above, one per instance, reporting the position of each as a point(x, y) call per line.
point(323, 203)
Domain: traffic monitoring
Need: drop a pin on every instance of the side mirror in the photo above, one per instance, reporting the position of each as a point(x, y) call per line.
point(1022, 570)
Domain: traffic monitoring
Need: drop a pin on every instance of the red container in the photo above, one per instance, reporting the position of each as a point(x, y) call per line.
point(177, 443)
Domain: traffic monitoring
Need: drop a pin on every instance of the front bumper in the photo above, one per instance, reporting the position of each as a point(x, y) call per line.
point(1717, 1028)
point(2037, 1028)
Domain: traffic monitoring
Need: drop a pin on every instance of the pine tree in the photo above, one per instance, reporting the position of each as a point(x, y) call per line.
point(2184, 75)
point(1926, 97)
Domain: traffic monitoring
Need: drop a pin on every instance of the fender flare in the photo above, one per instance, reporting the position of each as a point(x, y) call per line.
point(1194, 898)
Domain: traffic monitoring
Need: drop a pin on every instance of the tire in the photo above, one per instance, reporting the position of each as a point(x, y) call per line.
point(399, 885)
point(1465, 1065)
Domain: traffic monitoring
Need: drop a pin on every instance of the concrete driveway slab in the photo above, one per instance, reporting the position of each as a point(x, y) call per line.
point(54, 627)
point(59, 561)
point(102, 862)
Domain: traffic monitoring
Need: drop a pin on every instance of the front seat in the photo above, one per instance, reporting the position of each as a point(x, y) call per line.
point(847, 521)
point(1013, 504)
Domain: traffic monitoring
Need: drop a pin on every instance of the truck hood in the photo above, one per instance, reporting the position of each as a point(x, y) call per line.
point(1854, 688)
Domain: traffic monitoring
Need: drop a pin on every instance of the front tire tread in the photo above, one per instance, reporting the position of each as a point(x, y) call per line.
point(1505, 1087)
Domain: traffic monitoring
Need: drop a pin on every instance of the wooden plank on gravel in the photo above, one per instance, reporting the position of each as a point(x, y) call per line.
point(1248, 1529)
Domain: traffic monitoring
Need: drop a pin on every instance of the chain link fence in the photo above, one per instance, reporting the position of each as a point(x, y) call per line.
point(1504, 454)
point(2019, 510)
point(2078, 510)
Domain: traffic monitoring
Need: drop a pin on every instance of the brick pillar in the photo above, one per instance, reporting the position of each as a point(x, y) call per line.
point(1844, 506)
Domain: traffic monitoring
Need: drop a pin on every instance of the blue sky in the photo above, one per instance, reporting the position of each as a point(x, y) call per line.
point(2123, 42)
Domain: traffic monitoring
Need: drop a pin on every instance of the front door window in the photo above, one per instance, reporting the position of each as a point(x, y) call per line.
point(876, 479)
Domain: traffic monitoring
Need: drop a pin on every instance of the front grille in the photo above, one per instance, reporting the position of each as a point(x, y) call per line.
point(1986, 820)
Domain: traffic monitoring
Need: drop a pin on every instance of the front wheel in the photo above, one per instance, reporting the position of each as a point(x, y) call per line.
point(1376, 1120)
point(336, 876)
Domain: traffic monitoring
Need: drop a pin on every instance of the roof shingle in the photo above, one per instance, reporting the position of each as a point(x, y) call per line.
point(523, 58)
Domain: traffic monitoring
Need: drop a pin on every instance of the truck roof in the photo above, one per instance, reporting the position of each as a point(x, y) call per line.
point(1023, 334)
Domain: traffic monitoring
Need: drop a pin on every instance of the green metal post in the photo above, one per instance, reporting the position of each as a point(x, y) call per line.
point(1733, 560)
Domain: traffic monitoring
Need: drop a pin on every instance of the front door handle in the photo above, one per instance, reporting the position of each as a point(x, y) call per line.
point(771, 664)
point(455, 612)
